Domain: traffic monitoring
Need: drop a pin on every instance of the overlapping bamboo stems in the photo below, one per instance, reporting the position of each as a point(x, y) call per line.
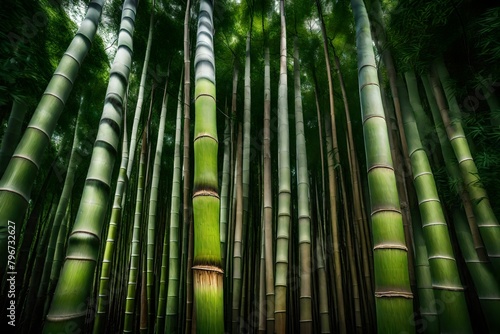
point(140, 94)
point(153, 199)
point(135, 248)
point(104, 289)
point(360, 222)
point(237, 265)
point(186, 168)
point(12, 133)
point(225, 190)
point(446, 282)
point(76, 278)
point(453, 169)
point(485, 218)
point(267, 197)
point(333, 158)
point(60, 213)
point(483, 276)
point(207, 272)
point(392, 284)
point(284, 192)
point(172, 302)
point(20, 173)
point(425, 291)
point(304, 215)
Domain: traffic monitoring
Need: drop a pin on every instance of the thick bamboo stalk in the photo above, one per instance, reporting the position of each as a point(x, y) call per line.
point(392, 285)
point(58, 218)
point(284, 193)
point(75, 283)
point(207, 267)
point(103, 297)
point(247, 118)
point(20, 174)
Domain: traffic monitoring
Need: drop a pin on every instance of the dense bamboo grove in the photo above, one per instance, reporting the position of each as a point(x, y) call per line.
point(284, 168)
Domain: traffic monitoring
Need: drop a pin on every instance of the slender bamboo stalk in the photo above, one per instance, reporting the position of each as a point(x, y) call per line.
point(140, 95)
point(304, 214)
point(75, 283)
point(392, 284)
point(172, 310)
point(238, 231)
point(153, 200)
point(267, 197)
point(284, 193)
point(11, 135)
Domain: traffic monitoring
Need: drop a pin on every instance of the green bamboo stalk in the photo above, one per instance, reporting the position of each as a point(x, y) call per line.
point(284, 192)
point(224, 194)
point(153, 200)
point(304, 214)
point(426, 298)
point(103, 297)
point(238, 232)
point(483, 276)
point(11, 135)
point(75, 282)
point(392, 284)
point(453, 169)
point(58, 218)
point(186, 200)
point(485, 218)
point(247, 108)
point(20, 174)
point(446, 283)
point(207, 272)
point(135, 249)
point(172, 309)
point(267, 197)
point(140, 95)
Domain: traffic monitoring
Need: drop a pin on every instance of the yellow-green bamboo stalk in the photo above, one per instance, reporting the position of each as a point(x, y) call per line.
point(172, 307)
point(207, 267)
point(446, 282)
point(304, 215)
point(485, 218)
point(76, 279)
point(392, 284)
point(11, 135)
point(284, 192)
point(135, 248)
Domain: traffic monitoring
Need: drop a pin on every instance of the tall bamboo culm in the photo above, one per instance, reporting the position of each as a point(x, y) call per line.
point(76, 278)
point(207, 266)
point(394, 304)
